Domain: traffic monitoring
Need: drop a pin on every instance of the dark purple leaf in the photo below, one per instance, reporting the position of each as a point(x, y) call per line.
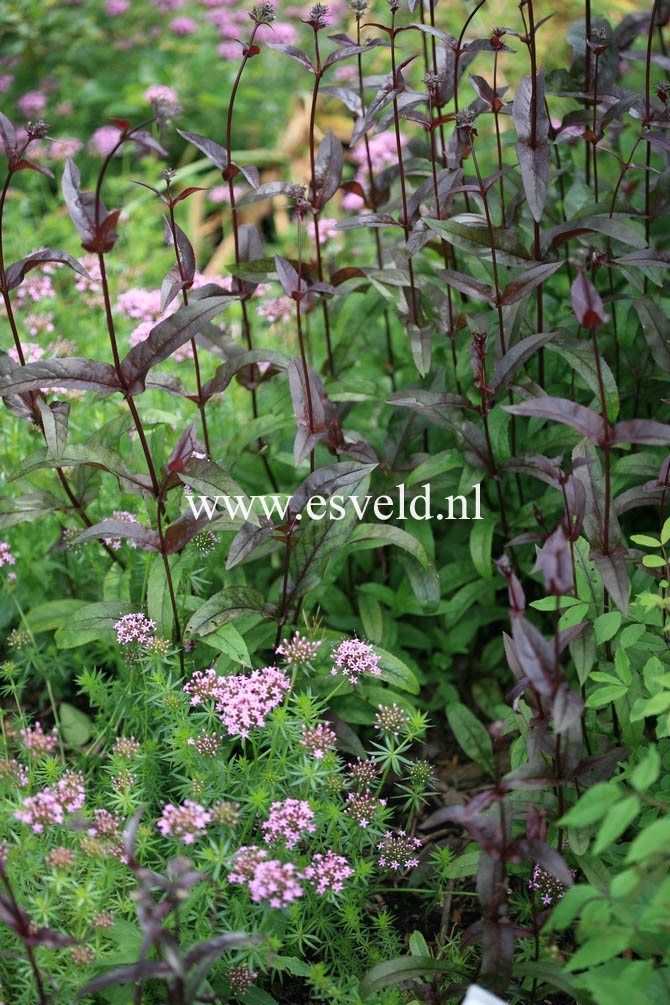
point(535, 655)
point(524, 284)
point(614, 574)
point(294, 53)
point(566, 708)
point(465, 284)
point(147, 539)
point(532, 150)
point(146, 141)
point(327, 169)
point(586, 303)
point(587, 422)
point(216, 945)
point(646, 431)
point(346, 53)
point(186, 193)
point(183, 449)
point(516, 357)
point(266, 191)
point(26, 165)
point(8, 136)
point(81, 205)
point(76, 372)
point(348, 97)
point(15, 273)
point(288, 277)
point(123, 975)
point(216, 154)
point(486, 92)
point(253, 357)
point(167, 337)
point(250, 173)
point(185, 249)
point(548, 858)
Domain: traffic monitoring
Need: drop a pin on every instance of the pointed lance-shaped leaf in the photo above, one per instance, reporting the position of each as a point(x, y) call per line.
point(16, 272)
point(288, 277)
point(586, 303)
point(76, 372)
point(524, 285)
point(183, 449)
point(294, 53)
point(532, 141)
point(167, 336)
point(586, 421)
point(216, 154)
point(8, 137)
point(327, 169)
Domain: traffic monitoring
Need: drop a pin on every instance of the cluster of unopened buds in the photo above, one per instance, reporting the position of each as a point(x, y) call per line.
point(299, 651)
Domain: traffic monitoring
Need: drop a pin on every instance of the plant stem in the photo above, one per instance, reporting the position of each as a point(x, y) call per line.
point(587, 83)
point(413, 308)
point(498, 139)
point(494, 260)
point(194, 348)
point(647, 121)
point(315, 211)
point(168, 575)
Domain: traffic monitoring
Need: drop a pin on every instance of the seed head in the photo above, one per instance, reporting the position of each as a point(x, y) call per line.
point(263, 13)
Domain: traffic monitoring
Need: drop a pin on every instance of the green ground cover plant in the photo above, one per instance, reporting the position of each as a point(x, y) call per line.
point(334, 538)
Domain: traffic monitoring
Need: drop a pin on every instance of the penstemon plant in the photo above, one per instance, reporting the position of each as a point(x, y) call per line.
point(351, 685)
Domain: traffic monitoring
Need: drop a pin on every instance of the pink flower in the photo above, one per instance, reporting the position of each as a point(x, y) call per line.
point(134, 628)
point(167, 96)
point(288, 822)
point(183, 26)
point(327, 229)
point(187, 822)
point(390, 719)
point(240, 980)
point(352, 202)
point(397, 851)
point(354, 658)
point(328, 872)
point(6, 557)
point(363, 807)
point(317, 740)
point(276, 882)
point(115, 7)
point(364, 773)
point(298, 651)
point(206, 743)
point(37, 742)
point(71, 791)
point(32, 104)
point(126, 746)
point(66, 146)
point(12, 771)
point(40, 810)
point(103, 141)
point(6, 81)
point(281, 309)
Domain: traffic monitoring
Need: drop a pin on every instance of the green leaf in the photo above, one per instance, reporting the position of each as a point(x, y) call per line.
point(53, 614)
point(76, 726)
point(228, 640)
point(481, 540)
point(418, 945)
point(471, 735)
point(618, 818)
point(446, 460)
point(644, 539)
point(599, 949)
point(653, 839)
point(226, 605)
point(605, 695)
point(159, 606)
point(653, 561)
point(569, 906)
point(396, 673)
point(606, 626)
point(579, 355)
point(647, 771)
point(404, 968)
point(86, 624)
point(665, 532)
point(372, 617)
point(592, 805)
point(374, 535)
point(256, 996)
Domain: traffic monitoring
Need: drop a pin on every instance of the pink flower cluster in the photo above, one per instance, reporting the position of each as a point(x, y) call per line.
point(279, 310)
point(240, 980)
point(244, 700)
point(397, 851)
point(299, 651)
point(328, 872)
point(64, 147)
point(115, 542)
point(134, 628)
point(103, 141)
point(37, 742)
point(183, 26)
point(317, 740)
point(32, 104)
point(206, 743)
point(266, 879)
point(549, 888)
point(383, 152)
point(13, 771)
point(288, 822)
point(51, 804)
point(327, 229)
point(390, 719)
point(113, 8)
point(126, 746)
point(364, 773)
point(363, 807)
point(186, 822)
point(6, 557)
point(354, 658)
